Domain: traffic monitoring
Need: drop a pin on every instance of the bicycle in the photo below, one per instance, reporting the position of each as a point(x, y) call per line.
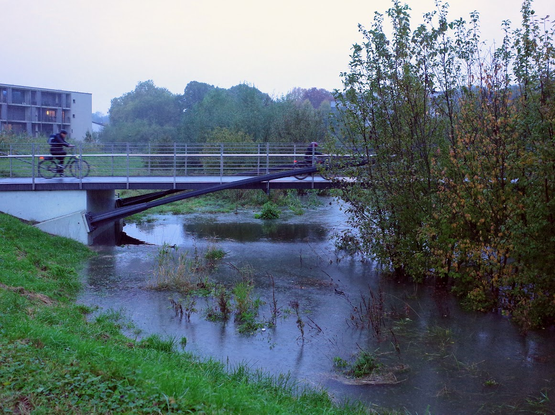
point(324, 172)
point(49, 167)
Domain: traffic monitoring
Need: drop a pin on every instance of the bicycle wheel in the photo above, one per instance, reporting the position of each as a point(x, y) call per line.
point(301, 176)
point(79, 168)
point(48, 169)
point(326, 170)
point(327, 175)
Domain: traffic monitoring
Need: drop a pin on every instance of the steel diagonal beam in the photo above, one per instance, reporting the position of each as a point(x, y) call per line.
point(94, 220)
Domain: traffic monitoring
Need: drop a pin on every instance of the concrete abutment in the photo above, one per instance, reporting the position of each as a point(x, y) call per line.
point(62, 212)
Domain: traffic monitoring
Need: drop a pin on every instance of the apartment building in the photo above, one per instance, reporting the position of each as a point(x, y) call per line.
point(41, 112)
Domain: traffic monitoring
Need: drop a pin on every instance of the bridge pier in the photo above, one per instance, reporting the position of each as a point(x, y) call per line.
point(62, 212)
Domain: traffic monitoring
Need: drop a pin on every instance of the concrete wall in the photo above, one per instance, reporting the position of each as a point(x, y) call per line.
point(62, 212)
point(102, 201)
point(44, 205)
point(81, 115)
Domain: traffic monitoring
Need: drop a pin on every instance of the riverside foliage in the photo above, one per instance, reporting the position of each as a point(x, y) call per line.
point(461, 185)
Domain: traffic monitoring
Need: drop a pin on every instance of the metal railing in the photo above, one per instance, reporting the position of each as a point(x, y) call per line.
point(172, 160)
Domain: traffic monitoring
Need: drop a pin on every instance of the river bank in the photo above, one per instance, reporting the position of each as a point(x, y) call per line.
point(54, 360)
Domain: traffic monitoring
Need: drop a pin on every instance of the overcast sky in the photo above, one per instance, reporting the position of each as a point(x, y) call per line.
point(106, 47)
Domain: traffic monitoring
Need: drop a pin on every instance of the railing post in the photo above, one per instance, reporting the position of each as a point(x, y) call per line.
point(149, 158)
point(267, 158)
point(313, 163)
point(258, 160)
point(80, 152)
point(112, 158)
point(10, 153)
point(221, 163)
point(32, 164)
point(174, 165)
point(186, 158)
point(127, 148)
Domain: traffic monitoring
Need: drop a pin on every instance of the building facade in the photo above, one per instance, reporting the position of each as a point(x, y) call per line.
point(41, 112)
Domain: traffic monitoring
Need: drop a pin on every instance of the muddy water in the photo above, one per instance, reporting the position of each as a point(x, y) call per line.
point(434, 356)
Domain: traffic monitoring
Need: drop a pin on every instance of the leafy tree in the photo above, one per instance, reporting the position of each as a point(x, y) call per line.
point(497, 189)
point(252, 111)
point(317, 96)
point(385, 108)
point(137, 132)
point(297, 122)
point(226, 136)
point(229, 141)
point(143, 114)
point(194, 93)
point(461, 180)
point(217, 109)
point(240, 108)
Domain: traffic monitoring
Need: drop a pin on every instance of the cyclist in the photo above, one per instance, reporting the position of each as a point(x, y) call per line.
point(57, 143)
point(311, 153)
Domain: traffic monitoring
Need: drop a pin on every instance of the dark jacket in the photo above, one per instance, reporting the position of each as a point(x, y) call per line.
point(310, 153)
point(57, 144)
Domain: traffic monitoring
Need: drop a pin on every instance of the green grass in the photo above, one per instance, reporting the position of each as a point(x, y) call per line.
point(56, 360)
point(364, 364)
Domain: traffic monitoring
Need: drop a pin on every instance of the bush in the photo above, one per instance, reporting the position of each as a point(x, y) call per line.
point(269, 211)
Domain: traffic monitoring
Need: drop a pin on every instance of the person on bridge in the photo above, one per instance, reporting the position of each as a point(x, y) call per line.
point(311, 153)
point(57, 143)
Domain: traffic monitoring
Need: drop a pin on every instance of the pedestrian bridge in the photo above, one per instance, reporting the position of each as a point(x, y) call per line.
point(83, 208)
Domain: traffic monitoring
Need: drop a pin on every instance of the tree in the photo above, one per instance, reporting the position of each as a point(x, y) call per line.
point(385, 109)
point(460, 180)
point(147, 102)
point(216, 109)
point(141, 115)
point(317, 96)
point(194, 93)
point(240, 108)
point(297, 122)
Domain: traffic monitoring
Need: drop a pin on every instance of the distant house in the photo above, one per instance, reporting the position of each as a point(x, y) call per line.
point(41, 111)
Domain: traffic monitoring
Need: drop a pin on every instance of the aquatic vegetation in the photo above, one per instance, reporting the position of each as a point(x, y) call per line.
point(293, 202)
point(214, 253)
point(274, 305)
point(439, 336)
point(185, 307)
point(300, 323)
point(222, 310)
point(246, 307)
point(364, 364)
point(269, 211)
point(340, 362)
point(181, 271)
point(490, 383)
point(370, 312)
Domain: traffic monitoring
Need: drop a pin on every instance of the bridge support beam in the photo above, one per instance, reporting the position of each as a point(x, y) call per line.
point(61, 212)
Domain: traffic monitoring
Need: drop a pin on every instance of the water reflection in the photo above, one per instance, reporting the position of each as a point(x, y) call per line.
point(252, 232)
point(454, 361)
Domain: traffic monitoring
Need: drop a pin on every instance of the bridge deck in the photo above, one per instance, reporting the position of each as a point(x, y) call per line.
point(160, 183)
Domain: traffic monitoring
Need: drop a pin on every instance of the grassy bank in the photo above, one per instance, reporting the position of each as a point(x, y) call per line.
point(53, 360)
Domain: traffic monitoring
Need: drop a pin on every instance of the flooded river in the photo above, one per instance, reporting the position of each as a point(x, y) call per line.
point(433, 356)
